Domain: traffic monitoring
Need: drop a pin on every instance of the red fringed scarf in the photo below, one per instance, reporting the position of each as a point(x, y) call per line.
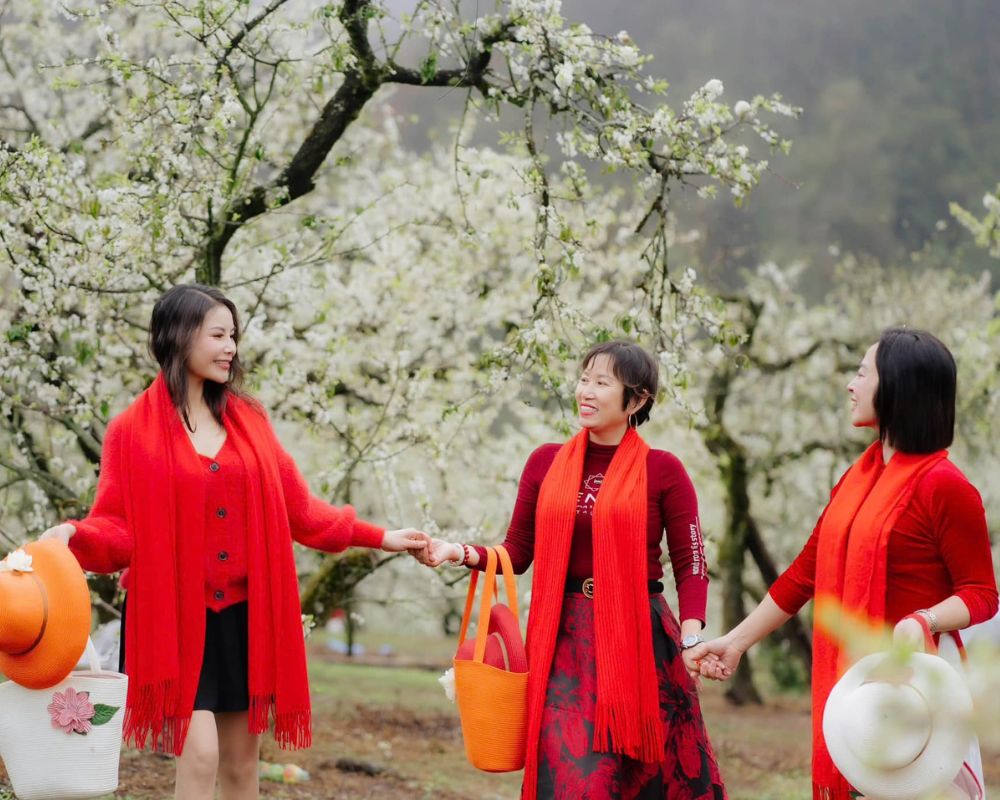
point(165, 630)
point(627, 717)
point(851, 572)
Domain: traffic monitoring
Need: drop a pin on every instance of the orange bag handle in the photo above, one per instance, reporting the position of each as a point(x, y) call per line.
point(467, 613)
point(508, 578)
point(490, 590)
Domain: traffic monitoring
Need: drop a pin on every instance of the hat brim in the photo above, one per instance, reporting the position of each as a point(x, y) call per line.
point(504, 644)
point(68, 623)
point(941, 759)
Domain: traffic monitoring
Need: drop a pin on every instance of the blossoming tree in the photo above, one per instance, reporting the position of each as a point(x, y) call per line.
point(394, 303)
point(985, 229)
point(774, 419)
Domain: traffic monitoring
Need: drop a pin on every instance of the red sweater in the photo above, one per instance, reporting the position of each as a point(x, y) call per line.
point(940, 546)
point(102, 543)
point(672, 505)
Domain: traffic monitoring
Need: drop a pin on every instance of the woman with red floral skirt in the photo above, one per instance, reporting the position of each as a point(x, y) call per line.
point(613, 709)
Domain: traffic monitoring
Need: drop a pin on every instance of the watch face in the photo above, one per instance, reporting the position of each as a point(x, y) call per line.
point(691, 641)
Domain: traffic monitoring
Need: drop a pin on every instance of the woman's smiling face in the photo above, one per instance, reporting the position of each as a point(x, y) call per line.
point(862, 389)
point(600, 396)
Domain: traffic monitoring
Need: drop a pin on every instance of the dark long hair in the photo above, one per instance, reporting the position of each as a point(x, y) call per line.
point(177, 317)
point(635, 368)
point(915, 398)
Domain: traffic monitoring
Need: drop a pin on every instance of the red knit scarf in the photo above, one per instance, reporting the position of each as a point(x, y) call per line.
point(627, 715)
point(165, 495)
point(851, 572)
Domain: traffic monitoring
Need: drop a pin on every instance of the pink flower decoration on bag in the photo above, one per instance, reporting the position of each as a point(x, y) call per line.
point(71, 711)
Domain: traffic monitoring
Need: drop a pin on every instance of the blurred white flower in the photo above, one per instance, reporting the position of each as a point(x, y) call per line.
point(714, 88)
point(742, 108)
point(564, 76)
point(447, 681)
point(17, 561)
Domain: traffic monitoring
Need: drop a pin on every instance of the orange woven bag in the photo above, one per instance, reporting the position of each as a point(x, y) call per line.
point(493, 698)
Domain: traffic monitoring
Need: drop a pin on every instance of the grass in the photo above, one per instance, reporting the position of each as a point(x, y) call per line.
point(345, 685)
point(397, 719)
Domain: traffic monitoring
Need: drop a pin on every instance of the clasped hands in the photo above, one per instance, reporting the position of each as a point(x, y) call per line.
point(718, 659)
point(436, 552)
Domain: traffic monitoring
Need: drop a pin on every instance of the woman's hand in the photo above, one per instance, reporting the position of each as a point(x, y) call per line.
point(909, 633)
point(63, 532)
point(717, 659)
point(693, 665)
point(438, 552)
point(404, 539)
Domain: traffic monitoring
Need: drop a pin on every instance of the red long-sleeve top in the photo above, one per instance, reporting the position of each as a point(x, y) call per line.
point(939, 547)
point(672, 506)
point(103, 543)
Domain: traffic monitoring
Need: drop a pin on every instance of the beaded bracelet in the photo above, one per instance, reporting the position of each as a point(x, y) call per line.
point(465, 556)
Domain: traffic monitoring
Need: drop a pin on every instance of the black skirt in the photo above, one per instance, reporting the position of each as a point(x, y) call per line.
point(223, 685)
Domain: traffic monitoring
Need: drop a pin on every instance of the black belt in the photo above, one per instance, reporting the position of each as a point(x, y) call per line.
point(585, 586)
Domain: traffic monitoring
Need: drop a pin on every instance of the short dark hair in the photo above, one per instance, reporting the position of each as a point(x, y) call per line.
point(177, 316)
point(634, 367)
point(915, 398)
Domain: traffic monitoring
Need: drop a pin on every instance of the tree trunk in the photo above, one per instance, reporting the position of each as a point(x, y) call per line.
point(793, 631)
point(732, 555)
point(331, 586)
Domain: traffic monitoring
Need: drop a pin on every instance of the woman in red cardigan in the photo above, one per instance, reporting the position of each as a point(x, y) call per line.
point(904, 533)
point(613, 709)
point(199, 500)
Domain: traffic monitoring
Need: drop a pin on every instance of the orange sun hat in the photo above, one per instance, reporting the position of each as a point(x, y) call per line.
point(44, 614)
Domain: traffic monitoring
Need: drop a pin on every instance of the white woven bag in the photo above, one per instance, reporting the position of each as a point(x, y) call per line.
point(63, 743)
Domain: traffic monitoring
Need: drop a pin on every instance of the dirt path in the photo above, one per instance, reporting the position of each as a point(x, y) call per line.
point(415, 749)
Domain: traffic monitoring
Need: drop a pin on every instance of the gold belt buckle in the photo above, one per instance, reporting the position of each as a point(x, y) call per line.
point(588, 588)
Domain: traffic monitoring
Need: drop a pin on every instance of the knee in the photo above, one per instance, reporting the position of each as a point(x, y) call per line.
point(238, 769)
point(200, 759)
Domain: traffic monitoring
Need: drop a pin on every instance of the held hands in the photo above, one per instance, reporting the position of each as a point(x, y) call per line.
point(438, 551)
point(716, 659)
point(404, 539)
point(63, 532)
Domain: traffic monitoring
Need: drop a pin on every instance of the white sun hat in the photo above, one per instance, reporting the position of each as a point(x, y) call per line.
point(899, 731)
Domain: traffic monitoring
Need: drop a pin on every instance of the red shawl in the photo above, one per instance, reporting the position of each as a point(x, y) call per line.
point(165, 629)
point(851, 572)
point(627, 715)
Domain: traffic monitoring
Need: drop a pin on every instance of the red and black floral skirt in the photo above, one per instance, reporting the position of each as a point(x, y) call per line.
point(569, 769)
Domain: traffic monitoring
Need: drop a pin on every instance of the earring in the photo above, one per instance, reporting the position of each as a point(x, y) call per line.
point(632, 421)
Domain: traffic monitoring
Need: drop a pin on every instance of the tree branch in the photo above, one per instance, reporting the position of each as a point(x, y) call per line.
point(359, 86)
point(271, 7)
point(297, 178)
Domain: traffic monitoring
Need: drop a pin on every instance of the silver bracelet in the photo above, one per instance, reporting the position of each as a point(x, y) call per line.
point(931, 617)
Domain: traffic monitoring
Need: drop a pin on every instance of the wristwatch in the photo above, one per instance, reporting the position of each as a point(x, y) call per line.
point(691, 640)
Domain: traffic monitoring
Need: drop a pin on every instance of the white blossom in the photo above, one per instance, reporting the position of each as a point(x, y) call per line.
point(447, 681)
point(16, 561)
point(564, 76)
point(713, 88)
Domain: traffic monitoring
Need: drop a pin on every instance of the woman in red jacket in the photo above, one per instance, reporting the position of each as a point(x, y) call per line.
point(904, 533)
point(198, 499)
point(613, 710)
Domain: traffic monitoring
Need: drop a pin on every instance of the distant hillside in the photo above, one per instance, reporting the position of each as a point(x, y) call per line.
point(902, 114)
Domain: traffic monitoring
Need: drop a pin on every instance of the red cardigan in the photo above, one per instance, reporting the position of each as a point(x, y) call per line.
point(102, 544)
point(672, 506)
point(940, 546)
